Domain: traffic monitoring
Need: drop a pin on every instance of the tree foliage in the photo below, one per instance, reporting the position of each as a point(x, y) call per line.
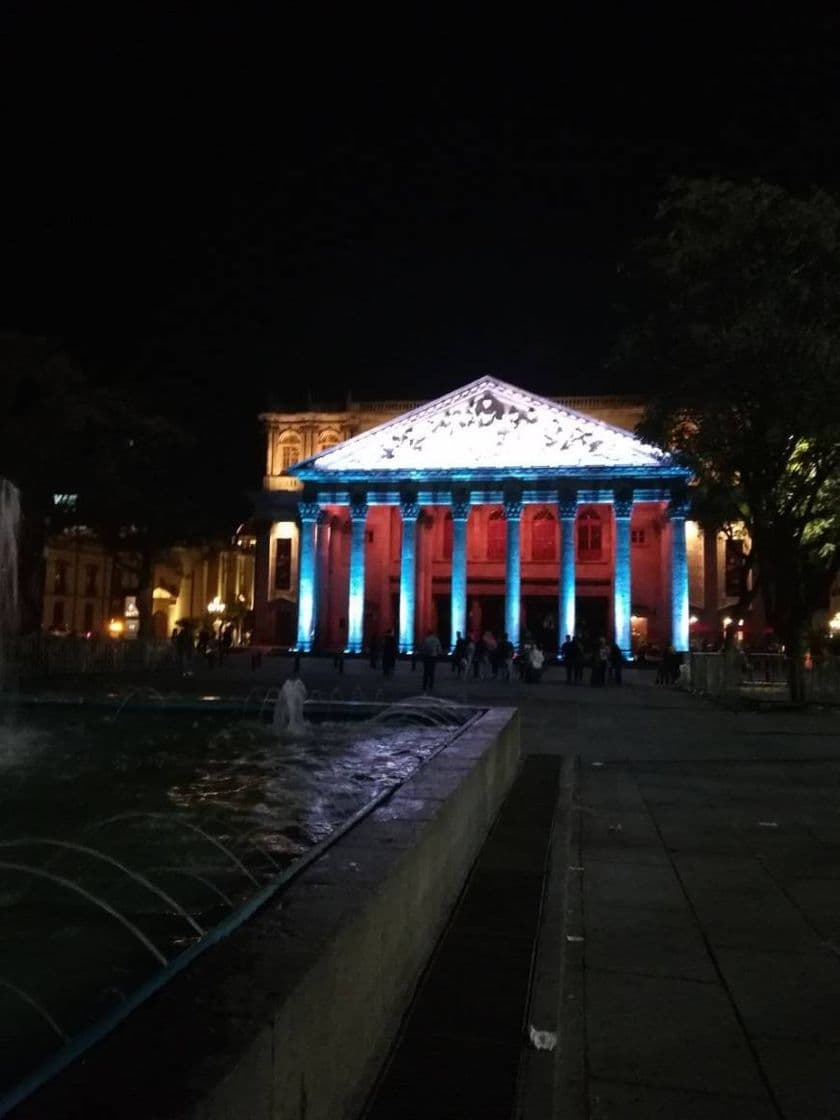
point(741, 339)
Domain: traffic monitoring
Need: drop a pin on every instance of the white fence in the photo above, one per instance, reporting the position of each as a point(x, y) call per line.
point(762, 676)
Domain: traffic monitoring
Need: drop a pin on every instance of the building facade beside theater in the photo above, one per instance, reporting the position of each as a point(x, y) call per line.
point(489, 508)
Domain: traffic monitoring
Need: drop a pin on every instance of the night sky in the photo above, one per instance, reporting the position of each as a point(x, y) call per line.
point(225, 217)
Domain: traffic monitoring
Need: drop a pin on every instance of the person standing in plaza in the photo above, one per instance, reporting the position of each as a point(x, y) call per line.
point(567, 652)
point(616, 661)
point(430, 651)
point(389, 653)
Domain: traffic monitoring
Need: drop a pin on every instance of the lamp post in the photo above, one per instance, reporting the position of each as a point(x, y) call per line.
point(216, 610)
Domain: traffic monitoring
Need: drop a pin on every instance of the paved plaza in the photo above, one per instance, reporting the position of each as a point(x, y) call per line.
point(688, 954)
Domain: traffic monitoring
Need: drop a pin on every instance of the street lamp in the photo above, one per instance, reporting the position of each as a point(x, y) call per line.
point(216, 610)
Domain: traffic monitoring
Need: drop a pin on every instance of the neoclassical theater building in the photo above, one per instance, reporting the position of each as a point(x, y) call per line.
point(489, 508)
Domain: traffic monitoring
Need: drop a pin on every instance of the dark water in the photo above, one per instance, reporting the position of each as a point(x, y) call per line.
point(138, 788)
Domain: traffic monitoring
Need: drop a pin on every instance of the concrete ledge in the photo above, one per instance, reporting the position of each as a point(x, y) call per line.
point(292, 1017)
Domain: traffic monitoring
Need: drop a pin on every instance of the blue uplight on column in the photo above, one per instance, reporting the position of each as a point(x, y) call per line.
point(513, 517)
point(679, 577)
point(356, 604)
point(460, 516)
point(622, 591)
point(408, 572)
point(568, 513)
point(307, 576)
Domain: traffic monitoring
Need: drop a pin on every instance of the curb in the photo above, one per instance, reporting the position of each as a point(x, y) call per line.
point(546, 1075)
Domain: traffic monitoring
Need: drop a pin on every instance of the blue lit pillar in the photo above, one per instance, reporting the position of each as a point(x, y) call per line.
point(679, 576)
point(566, 598)
point(307, 608)
point(460, 517)
point(513, 572)
point(622, 591)
point(356, 604)
point(408, 575)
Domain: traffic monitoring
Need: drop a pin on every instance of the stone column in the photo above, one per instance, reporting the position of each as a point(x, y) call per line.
point(513, 572)
point(567, 508)
point(711, 582)
point(307, 575)
point(460, 517)
point(356, 603)
point(408, 574)
point(622, 590)
point(679, 576)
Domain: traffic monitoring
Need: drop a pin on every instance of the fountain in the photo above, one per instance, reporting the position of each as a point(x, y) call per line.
point(9, 523)
point(288, 708)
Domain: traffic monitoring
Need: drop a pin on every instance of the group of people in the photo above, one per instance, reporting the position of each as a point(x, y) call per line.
point(386, 650)
point(604, 658)
point(212, 647)
point(483, 658)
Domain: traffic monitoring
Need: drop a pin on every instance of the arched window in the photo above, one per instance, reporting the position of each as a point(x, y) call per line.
point(327, 439)
point(496, 536)
point(291, 450)
point(543, 538)
point(589, 535)
point(447, 537)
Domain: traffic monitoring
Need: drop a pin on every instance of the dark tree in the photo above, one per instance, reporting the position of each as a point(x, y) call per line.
point(740, 347)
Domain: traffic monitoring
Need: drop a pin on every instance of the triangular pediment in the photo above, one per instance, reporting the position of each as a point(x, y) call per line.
point(487, 424)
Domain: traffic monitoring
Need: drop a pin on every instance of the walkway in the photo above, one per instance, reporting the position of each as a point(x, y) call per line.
point(689, 949)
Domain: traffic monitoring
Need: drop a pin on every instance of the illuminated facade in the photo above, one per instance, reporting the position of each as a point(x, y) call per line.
point(487, 509)
point(86, 587)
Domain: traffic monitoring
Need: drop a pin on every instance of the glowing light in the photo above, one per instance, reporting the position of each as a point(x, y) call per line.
point(693, 620)
point(216, 606)
point(740, 622)
point(621, 590)
point(488, 423)
point(115, 627)
point(567, 577)
point(408, 578)
point(679, 584)
point(834, 624)
point(356, 604)
point(727, 622)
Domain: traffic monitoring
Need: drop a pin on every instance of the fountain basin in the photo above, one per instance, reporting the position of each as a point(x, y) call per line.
point(292, 1015)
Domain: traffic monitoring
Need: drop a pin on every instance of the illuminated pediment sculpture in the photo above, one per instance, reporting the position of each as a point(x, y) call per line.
point(487, 425)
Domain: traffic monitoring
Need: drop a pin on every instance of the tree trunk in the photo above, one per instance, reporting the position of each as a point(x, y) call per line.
point(795, 649)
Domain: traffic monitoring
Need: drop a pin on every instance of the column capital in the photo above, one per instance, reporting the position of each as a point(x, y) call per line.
point(460, 505)
point(513, 509)
point(309, 511)
point(623, 504)
point(410, 509)
point(323, 517)
point(358, 510)
point(568, 504)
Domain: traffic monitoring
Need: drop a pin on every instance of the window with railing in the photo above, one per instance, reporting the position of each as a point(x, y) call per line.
point(544, 538)
point(496, 536)
point(291, 451)
point(589, 535)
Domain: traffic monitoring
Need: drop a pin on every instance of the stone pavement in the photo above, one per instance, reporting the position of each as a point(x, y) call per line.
point(689, 944)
